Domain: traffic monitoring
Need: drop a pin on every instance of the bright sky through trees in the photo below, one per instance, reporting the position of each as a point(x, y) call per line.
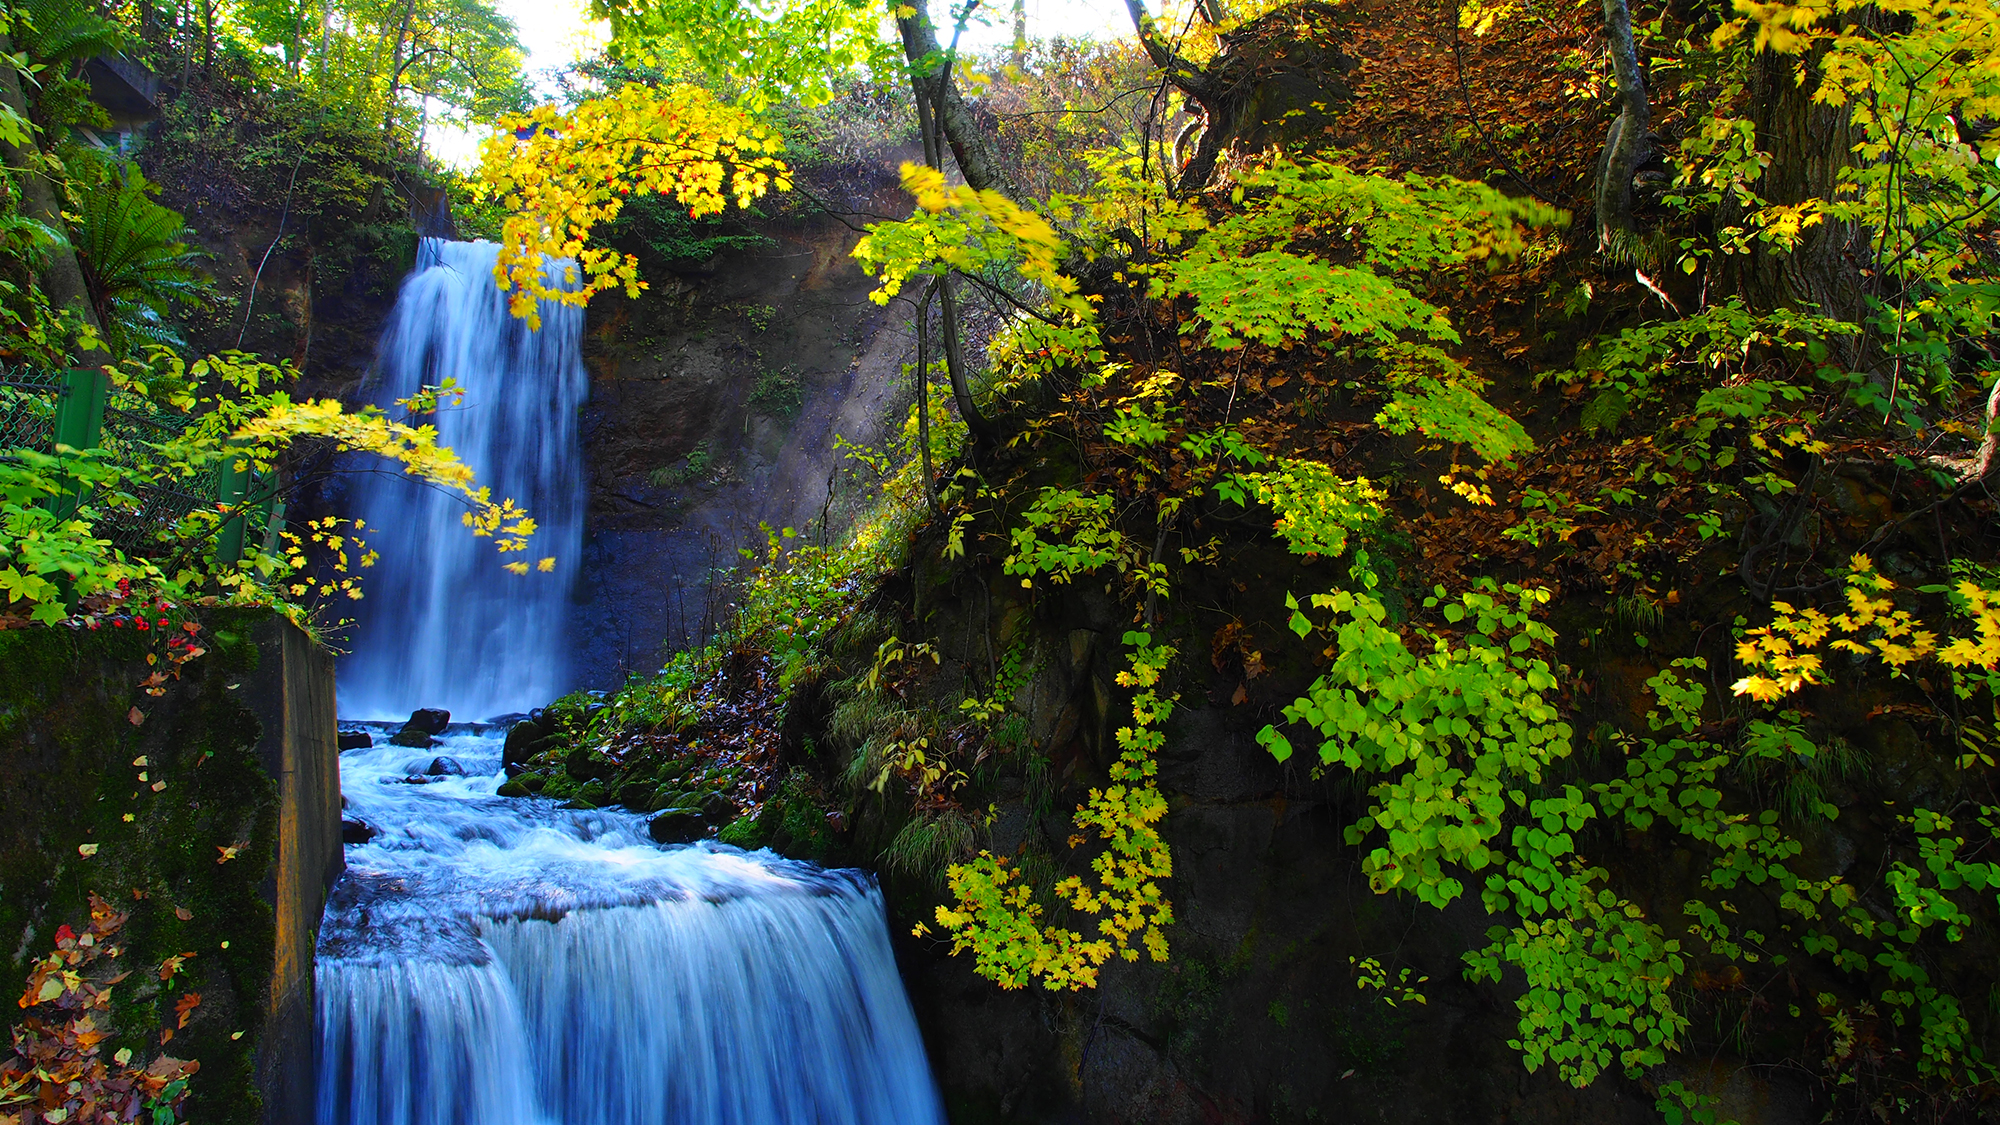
point(555, 32)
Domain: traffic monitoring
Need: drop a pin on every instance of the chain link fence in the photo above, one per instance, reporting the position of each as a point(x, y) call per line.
point(131, 425)
point(30, 402)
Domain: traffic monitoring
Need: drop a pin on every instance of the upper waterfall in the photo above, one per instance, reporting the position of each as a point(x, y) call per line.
point(443, 624)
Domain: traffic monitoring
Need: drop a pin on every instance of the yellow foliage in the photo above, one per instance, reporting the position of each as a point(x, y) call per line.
point(562, 172)
point(1782, 661)
point(995, 916)
point(959, 228)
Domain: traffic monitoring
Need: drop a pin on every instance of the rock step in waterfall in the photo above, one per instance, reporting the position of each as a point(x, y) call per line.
point(505, 961)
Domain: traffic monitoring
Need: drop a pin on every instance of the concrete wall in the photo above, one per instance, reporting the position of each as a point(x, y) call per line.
point(292, 694)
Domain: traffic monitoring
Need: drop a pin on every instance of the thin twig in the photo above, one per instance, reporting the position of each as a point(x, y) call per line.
point(283, 216)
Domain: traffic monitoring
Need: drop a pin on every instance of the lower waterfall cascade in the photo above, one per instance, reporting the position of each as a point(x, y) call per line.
point(490, 960)
point(505, 961)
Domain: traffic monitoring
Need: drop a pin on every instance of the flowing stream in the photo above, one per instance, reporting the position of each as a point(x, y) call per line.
point(496, 961)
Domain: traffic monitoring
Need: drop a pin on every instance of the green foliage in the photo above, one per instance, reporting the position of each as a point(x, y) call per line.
point(779, 392)
point(693, 467)
point(928, 844)
point(1369, 975)
point(137, 267)
point(665, 228)
point(1013, 675)
point(54, 32)
point(1272, 297)
point(1387, 227)
point(1065, 533)
point(796, 51)
point(1457, 726)
point(232, 413)
point(1317, 510)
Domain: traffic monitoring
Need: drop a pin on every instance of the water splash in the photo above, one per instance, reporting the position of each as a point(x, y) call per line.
point(488, 961)
point(443, 625)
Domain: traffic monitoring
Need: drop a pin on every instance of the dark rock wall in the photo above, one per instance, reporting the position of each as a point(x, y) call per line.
point(1258, 1016)
point(678, 373)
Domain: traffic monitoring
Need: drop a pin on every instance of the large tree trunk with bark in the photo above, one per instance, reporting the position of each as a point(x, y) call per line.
point(971, 142)
point(1271, 82)
point(1624, 144)
point(1809, 144)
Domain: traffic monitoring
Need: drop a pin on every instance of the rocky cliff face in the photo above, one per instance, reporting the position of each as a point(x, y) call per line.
point(1261, 1014)
point(715, 403)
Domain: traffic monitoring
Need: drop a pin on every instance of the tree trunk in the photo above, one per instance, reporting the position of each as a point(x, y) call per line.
point(971, 145)
point(1221, 101)
point(208, 38)
point(1626, 138)
point(61, 276)
point(1809, 144)
point(924, 397)
point(1019, 50)
point(396, 66)
point(954, 355)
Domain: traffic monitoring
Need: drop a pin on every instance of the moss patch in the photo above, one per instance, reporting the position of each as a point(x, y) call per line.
point(160, 800)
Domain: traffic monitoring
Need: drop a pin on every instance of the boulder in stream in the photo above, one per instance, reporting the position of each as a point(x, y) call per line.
point(354, 740)
point(445, 767)
point(354, 830)
point(677, 826)
point(430, 720)
point(520, 746)
point(718, 808)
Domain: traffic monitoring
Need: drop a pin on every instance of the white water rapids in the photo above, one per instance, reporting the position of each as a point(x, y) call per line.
point(496, 961)
point(488, 960)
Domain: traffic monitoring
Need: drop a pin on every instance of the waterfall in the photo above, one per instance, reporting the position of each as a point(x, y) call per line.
point(443, 625)
point(488, 961)
point(496, 961)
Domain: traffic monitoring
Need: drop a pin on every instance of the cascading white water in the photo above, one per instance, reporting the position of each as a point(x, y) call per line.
point(444, 625)
point(496, 961)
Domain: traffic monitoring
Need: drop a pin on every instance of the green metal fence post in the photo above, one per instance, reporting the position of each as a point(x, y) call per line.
point(230, 490)
point(274, 526)
point(79, 425)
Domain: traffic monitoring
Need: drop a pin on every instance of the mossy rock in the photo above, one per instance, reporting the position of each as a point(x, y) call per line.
point(793, 823)
point(584, 764)
point(677, 826)
point(514, 789)
point(747, 832)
